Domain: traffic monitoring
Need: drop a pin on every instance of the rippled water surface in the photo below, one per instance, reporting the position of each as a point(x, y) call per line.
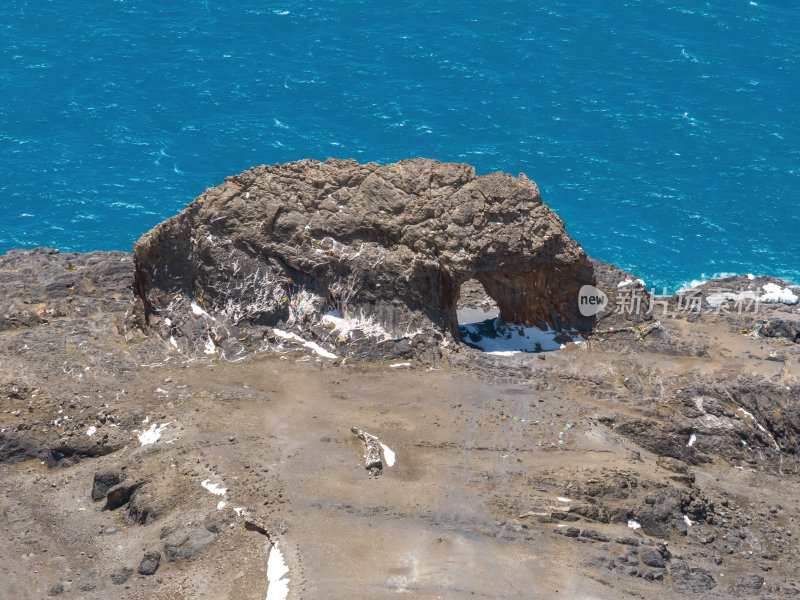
point(665, 134)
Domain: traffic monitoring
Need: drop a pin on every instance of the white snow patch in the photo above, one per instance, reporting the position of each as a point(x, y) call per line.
point(630, 283)
point(775, 294)
point(276, 571)
point(750, 276)
point(214, 488)
point(319, 350)
point(692, 440)
point(398, 365)
point(162, 391)
point(199, 310)
point(311, 345)
point(688, 521)
point(240, 510)
point(173, 342)
point(146, 420)
point(210, 347)
point(152, 435)
point(761, 427)
point(221, 504)
point(503, 339)
point(344, 326)
point(91, 431)
point(388, 454)
point(562, 499)
point(748, 413)
point(634, 524)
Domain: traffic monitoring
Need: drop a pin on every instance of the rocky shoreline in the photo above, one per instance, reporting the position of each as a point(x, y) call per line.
point(161, 441)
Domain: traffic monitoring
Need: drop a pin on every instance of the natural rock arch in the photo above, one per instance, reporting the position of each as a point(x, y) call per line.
point(392, 243)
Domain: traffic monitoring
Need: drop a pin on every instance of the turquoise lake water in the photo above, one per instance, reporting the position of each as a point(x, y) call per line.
point(664, 133)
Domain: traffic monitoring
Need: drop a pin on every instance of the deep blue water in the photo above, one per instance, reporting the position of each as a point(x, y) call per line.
point(664, 133)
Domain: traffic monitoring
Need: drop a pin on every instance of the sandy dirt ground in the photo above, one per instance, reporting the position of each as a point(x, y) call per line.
point(454, 517)
point(677, 475)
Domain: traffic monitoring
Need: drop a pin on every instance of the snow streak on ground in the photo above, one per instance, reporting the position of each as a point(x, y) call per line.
point(214, 488)
point(276, 574)
point(388, 454)
point(153, 434)
point(310, 345)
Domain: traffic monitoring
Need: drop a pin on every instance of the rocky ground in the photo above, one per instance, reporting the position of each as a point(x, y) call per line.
point(133, 469)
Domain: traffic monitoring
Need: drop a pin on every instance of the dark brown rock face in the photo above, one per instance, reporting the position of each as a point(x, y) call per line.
point(389, 244)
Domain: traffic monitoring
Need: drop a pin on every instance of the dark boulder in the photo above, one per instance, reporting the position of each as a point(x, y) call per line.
point(120, 494)
point(122, 576)
point(14, 448)
point(143, 507)
point(103, 481)
point(186, 543)
point(652, 557)
point(150, 562)
point(691, 580)
point(750, 582)
point(595, 535)
point(56, 589)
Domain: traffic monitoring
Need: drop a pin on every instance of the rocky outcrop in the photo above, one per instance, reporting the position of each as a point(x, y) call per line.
point(372, 450)
point(103, 482)
point(186, 543)
point(119, 494)
point(43, 285)
point(382, 249)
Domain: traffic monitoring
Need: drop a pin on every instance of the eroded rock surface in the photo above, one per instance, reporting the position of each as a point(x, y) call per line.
point(382, 249)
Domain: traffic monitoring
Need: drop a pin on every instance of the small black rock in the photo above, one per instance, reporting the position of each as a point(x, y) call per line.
point(103, 481)
point(652, 557)
point(120, 494)
point(122, 576)
point(751, 582)
point(150, 562)
point(595, 535)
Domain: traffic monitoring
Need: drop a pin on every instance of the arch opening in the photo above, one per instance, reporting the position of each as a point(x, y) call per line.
point(474, 305)
point(481, 326)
